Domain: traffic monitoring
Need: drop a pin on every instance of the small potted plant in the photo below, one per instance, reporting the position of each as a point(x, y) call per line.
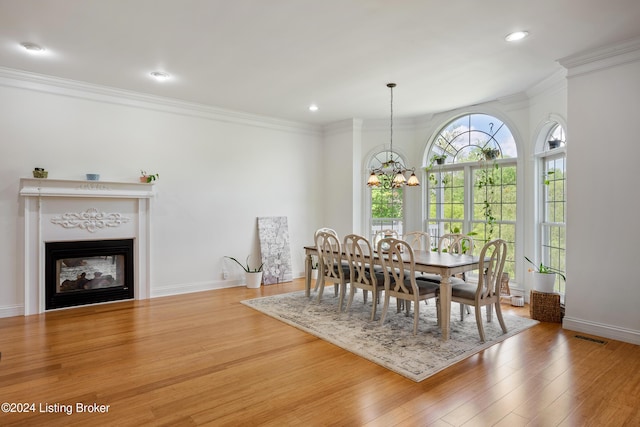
point(40, 173)
point(148, 177)
point(314, 268)
point(554, 143)
point(544, 277)
point(489, 153)
point(253, 276)
point(438, 159)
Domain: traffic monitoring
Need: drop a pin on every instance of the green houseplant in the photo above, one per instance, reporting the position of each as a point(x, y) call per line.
point(438, 159)
point(489, 153)
point(544, 277)
point(253, 276)
point(148, 177)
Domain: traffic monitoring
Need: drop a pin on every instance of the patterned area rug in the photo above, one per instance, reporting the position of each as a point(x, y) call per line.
point(393, 345)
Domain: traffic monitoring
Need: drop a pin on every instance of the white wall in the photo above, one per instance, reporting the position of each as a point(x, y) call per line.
point(602, 193)
point(218, 172)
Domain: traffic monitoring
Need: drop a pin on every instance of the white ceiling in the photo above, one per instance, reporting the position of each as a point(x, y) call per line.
point(275, 57)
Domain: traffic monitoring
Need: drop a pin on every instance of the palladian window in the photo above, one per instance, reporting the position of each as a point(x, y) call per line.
point(471, 182)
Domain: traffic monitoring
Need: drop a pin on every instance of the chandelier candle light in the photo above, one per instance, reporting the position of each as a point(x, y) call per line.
point(393, 170)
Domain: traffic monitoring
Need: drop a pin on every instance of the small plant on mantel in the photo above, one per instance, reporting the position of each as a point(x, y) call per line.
point(148, 177)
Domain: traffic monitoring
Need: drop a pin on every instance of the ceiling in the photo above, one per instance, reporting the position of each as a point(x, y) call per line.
point(276, 57)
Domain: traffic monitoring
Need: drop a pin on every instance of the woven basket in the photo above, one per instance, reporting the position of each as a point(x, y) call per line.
point(545, 307)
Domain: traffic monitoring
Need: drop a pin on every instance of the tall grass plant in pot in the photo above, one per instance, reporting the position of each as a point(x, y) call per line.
point(252, 276)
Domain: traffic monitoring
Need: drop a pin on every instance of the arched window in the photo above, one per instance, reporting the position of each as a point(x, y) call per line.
point(471, 181)
point(387, 202)
point(553, 201)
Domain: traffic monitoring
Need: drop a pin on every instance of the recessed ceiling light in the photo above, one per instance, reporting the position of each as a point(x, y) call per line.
point(32, 47)
point(160, 76)
point(516, 35)
point(313, 107)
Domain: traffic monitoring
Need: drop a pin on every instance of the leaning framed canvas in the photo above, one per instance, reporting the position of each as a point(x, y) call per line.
point(274, 249)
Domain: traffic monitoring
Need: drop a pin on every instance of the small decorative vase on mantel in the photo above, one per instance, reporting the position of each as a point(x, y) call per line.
point(544, 282)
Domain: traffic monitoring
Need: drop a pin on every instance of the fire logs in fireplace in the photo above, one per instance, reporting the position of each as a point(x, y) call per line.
point(88, 272)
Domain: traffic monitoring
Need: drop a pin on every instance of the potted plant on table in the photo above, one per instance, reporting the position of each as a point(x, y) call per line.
point(544, 277)
point(253, 276)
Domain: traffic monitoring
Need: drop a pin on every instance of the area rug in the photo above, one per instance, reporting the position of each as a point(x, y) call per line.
point(392, 345)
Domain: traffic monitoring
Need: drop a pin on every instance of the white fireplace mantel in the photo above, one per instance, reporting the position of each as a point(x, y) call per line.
point(70, 210)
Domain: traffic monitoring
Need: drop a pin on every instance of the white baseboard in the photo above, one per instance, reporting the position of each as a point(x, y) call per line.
point(607, 331)
point(11, 311)
point(187, 288)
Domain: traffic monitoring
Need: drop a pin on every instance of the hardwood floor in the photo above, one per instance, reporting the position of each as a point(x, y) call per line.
point(206, 359)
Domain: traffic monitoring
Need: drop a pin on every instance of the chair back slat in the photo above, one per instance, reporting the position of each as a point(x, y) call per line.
point(491, 269)
point(329, 256)
point(383, 234)
point(394, 261)
point(418, 240)
point(325, 230)
point(357, 250)
point(456, 243)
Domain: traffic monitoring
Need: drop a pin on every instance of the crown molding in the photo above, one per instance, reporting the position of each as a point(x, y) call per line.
point(343, 126)
point(77, 89)
point(602, 58)
point(556, 82)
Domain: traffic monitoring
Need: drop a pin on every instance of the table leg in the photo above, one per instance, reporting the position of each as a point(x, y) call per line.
point(445, 306)
point(307, 274)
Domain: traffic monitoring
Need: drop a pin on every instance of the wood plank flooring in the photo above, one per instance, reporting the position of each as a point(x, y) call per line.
point(206, 359)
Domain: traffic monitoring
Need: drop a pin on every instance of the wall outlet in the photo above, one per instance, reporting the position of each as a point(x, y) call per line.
point(225, 274)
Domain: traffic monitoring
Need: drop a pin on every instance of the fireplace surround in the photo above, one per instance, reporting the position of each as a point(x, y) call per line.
point(56, 212)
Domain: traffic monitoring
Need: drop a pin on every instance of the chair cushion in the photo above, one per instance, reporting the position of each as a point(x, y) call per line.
point(429, 277)
point(464, 290)
point(435, 278)
point(424, 287)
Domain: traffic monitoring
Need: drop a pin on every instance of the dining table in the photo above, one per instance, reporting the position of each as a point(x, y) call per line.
point(442, 263)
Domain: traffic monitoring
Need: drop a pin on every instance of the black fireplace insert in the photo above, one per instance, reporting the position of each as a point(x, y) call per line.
point(88, 272)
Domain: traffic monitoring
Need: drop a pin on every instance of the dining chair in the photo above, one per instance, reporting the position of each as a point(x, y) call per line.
point(486, 292)
point(383, 234)
point(418, 240)
point(398, 259)
point(362, 273)
point(315, 234)
point(325, 230)
point(331, 268)
point(454, 243)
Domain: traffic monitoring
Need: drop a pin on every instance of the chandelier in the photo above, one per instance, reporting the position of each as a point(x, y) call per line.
point(392, 172)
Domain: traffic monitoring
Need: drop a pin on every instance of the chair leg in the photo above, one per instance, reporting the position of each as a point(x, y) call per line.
point(343, 291)
point(489, 309)
point(461, 312)
point(384, 308)
point(351, 294)
point(500, 319)
point(320, 289)
point(416, 317)
point(438, 313)
point(479, 322)
point(365, 295)
point(374, 304)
